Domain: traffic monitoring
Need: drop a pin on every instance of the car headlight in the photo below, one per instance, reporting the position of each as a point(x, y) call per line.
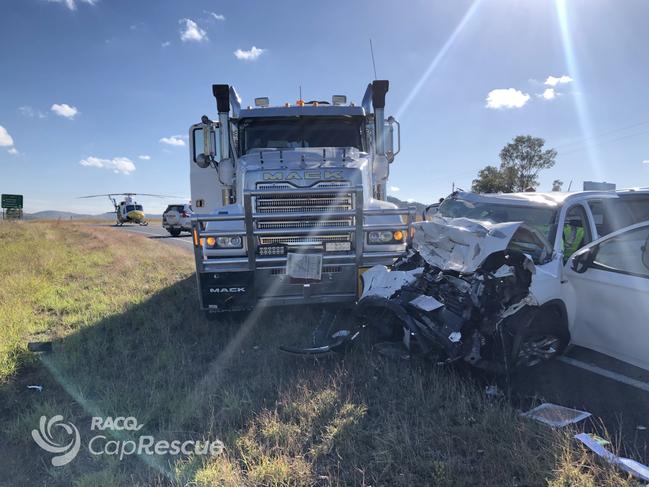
point(385, 237)
point(235, 242)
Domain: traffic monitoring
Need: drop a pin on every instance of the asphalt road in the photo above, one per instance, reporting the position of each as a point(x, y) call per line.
point(155, 231)
point(616, 394)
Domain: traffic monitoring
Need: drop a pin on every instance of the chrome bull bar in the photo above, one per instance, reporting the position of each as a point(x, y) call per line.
point(250, 233)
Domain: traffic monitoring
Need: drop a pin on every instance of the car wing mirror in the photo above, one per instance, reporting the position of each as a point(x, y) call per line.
point(581, 261)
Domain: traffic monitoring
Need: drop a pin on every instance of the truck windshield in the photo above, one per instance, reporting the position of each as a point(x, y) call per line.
point(304, 131)
point(542, 219)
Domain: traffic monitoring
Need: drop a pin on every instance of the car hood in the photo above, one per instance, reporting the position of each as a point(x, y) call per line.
point(462, 244)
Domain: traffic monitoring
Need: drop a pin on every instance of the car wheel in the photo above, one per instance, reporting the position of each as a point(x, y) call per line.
point(174, 232)
point(542, 335)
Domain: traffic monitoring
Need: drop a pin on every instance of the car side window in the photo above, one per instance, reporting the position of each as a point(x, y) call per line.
point(576, 231)
point(628, 253)
point(610, 215)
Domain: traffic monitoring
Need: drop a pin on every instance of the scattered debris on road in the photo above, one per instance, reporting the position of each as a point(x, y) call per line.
point(555, 415)
point(636, 469)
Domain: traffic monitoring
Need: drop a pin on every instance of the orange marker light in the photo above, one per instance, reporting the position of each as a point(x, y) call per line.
point(211, 241)
point(300, 103)
point(195, 234)
point(398, 235)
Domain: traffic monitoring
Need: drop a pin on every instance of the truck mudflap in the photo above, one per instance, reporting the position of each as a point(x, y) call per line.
point(227, 291)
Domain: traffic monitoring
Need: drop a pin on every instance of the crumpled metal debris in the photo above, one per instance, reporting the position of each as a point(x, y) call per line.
point(629, 465)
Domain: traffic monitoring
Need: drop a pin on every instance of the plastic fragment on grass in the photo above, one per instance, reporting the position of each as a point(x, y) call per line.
point(555, 415)
point(636, 469)
point(39, 346)
point(36, 388)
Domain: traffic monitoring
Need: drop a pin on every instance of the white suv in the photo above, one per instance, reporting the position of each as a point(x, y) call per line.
point(492, 280)
point(177, 218)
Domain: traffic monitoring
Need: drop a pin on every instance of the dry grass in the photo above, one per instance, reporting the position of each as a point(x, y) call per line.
point(131, 342)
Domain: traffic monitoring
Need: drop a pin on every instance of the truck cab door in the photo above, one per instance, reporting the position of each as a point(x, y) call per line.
point(203, 171)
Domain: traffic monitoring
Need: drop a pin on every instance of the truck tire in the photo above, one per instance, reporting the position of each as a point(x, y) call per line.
point(539, 334)
point(174, 232)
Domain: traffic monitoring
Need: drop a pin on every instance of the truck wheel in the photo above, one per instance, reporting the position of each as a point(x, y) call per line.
point(541, 335)
point(174, 232)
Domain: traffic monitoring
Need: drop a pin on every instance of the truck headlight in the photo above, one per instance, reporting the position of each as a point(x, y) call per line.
point(235, 242)
point(385, 237)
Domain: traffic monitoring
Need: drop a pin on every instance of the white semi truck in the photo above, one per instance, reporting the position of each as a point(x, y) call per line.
point(289, 200)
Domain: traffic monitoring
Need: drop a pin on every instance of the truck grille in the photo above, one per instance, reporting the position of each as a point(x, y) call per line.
point(303, 202)
point(304, 239)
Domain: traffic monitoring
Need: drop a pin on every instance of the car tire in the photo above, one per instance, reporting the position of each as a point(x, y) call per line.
point(174, 232)
point(538, 335)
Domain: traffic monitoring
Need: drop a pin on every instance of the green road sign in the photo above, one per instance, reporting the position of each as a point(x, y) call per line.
point(12, 201)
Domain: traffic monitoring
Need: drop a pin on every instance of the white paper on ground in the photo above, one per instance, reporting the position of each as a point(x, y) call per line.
point(636, 469)
point(426, 303)
point(555, 415)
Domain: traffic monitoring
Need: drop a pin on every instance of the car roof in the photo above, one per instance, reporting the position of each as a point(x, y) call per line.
point(550, 199)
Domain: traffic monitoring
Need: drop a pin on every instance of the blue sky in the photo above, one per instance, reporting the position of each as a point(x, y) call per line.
point(89, 87)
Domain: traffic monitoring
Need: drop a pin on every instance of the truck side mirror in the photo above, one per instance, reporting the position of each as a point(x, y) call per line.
point(205, 143)
point(390, 153)
point(582, 260)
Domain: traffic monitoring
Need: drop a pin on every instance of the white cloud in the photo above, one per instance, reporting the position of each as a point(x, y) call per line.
point(144, 157)
point(395, 189)
point(29, 112)
point(13, 151)
point(250, 55)
point(548, 94)
point(72, 4)
point(65, 110)
point(645, 161)
point(192, 32)
point(561, 80)
point(118, 165)
point(215, 16)
point(175, 140)
point(506, 98)
point(5, 139)
point(166, 44)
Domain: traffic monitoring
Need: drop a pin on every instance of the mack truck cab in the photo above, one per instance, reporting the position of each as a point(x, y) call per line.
point(289, 200)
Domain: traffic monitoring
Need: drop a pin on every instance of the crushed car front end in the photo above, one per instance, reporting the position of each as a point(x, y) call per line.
point(464, 293)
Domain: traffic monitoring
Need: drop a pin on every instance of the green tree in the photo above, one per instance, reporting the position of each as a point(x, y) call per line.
point(520, 163)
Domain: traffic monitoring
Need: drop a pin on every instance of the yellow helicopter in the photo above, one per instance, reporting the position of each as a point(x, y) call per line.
point(128, 210)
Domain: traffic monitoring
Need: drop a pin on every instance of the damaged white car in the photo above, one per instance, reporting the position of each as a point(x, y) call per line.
point(465, 293)
point(487, 280)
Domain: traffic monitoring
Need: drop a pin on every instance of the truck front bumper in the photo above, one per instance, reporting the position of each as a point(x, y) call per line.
point(232, 282)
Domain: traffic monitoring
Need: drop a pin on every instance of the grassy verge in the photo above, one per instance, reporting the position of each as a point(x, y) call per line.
point(129, 341)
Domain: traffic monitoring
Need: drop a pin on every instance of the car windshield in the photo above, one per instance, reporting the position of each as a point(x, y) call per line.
point(541, 219)
point(298, 132)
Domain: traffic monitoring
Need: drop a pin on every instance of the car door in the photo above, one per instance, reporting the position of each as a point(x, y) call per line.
point(609, 282)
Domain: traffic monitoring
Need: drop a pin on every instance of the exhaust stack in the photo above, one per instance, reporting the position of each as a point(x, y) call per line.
point(226, 165)
point(381, 166)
